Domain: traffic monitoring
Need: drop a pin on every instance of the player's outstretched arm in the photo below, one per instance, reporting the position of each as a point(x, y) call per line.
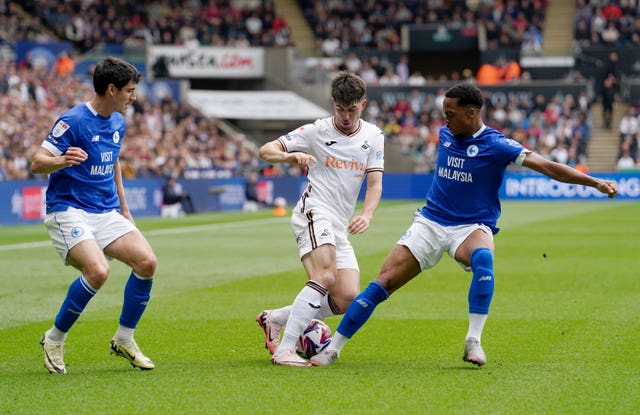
point(273, 152)
point(567, 174)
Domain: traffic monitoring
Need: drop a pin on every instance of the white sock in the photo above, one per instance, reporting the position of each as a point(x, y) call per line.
point(325, 311)
point(56, 335)
point(280, 315)
point(337, 342)
point(304, 308)
point(123, 334)
point(476, 324)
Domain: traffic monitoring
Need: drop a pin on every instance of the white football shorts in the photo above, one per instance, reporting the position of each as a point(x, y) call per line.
point(428, 240)
point(67, 229)
point(315, 228)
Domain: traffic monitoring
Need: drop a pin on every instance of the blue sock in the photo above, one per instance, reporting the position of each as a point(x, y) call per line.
point(361, 308)
point(78, 296)
point(481, 290)
point(137, 293)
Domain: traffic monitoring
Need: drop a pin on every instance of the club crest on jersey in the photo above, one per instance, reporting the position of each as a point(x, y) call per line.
point(60, 128)
point(365, 146)
point(77, 232)
point(472, 150)
point(116, 137)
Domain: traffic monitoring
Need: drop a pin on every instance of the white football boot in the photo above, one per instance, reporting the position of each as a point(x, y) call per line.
point(53, 355)
point(271, 331)
point(289, 358)
point(130, 351)
point(473, 352)
point(324, 358)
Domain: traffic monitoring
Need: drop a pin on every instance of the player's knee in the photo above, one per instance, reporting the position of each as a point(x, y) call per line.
point(96, 275)
point(482, 258)
point(326, 278)
point(146, 267)
point(482, 266)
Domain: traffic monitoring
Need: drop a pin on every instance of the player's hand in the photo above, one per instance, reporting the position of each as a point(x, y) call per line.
point(124, 211)
point(359, 224)
point(74, 156)
point(608, 187)
point(302, 159)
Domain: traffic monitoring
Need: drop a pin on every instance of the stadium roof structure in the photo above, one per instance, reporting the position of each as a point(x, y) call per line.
point(255, 105)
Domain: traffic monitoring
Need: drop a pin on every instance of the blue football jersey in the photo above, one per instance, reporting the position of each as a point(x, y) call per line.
point(89, 186)
point(468, 176)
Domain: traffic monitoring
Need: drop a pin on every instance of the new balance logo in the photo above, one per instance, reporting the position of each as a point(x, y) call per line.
point(485, 278)
point(330, 143)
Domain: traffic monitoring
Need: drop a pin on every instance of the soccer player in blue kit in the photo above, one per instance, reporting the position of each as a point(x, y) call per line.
point(459, 218)
point(87, 216)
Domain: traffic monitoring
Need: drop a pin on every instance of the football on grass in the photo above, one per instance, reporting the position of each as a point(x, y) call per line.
point(315, 338)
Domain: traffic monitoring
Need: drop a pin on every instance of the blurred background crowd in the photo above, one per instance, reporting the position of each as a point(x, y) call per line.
point(165, 138)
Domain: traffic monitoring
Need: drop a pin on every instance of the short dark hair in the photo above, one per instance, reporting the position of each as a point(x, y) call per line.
point(466, 94)
point(114, 71)
point(348, 88)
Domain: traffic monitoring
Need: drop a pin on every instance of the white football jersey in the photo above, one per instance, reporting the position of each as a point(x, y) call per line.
point(342, 164)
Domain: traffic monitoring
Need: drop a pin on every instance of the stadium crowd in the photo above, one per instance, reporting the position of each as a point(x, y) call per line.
point(164, 138)
point(88, 23)
point(167, 138)
point(610, 22)
point(558, 128)
point(629, 129)
point(343, 26)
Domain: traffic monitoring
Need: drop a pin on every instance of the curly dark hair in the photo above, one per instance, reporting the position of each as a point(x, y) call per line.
point(466, 94)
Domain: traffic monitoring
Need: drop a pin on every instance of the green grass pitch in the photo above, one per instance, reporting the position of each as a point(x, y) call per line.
point(563, 335)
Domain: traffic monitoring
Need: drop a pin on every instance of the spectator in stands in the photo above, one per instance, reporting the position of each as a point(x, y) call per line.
point(389, 78)
point(532, 41)
point(631, 144)
point(582, 33)
point(511, 71)
point(172, 193)
point(64, 65)
point(625, 162)
point(629, 124)
point(612, 11)
point(608, 94)
point(610, 35)
point(489, 74)
point(253, 201)
point(402, 69)
point(416, 79)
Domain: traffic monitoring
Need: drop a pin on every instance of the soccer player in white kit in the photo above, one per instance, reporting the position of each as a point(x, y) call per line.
point(339, 152)
point(87, 216)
